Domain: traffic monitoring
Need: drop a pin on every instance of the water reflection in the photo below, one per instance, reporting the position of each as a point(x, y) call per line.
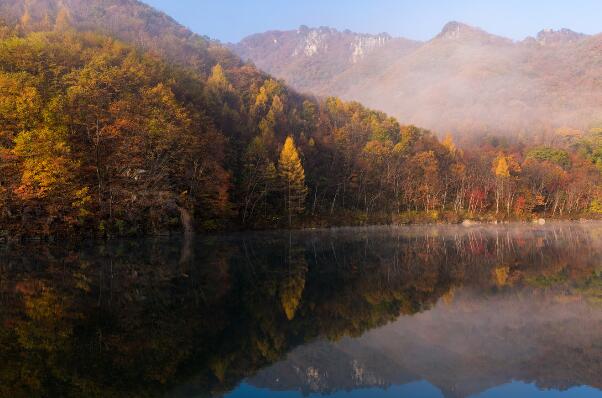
point(459, 310)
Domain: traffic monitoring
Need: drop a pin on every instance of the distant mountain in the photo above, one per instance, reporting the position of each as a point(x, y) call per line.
point(310, 58)
point(464, 80)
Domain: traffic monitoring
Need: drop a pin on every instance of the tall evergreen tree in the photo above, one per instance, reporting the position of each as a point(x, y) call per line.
point(292, 177)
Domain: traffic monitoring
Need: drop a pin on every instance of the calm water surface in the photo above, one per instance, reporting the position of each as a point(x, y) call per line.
point(448, 311)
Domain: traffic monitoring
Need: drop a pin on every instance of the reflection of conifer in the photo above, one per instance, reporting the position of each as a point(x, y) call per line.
point(293, 285)
point(501, 274)
point(292, 290)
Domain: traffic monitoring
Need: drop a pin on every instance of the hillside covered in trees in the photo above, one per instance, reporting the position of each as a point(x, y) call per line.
point(115, 120)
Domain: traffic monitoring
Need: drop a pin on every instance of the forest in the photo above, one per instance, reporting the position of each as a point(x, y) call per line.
point(122, 132)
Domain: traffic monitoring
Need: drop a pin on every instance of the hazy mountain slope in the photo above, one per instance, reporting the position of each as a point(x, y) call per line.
point(473, 82)
point(464, 80)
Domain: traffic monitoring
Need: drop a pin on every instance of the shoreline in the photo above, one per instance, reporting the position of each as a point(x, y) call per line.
point(467, 224)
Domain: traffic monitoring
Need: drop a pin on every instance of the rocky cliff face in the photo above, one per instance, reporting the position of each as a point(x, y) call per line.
point(561, 36)
point(306, 42)
point(311, 57)
point(317, 42)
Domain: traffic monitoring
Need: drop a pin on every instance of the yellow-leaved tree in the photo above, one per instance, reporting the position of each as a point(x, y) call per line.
point(505, 168)
point(292, 177)
point(501, 167)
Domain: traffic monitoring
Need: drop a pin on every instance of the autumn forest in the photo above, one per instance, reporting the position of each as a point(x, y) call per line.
point(133, 128)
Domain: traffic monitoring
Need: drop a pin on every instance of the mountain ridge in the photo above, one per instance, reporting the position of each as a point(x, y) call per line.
point(464, 80)
point(455, 30)
point(305, 46)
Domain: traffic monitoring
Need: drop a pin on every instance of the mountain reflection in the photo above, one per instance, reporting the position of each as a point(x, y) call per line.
point(466, 309)
point(462, 347)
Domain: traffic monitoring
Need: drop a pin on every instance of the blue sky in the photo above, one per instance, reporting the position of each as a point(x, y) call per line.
point(231, 20)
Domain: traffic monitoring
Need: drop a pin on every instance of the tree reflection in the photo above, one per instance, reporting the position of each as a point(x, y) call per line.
point(140, 318)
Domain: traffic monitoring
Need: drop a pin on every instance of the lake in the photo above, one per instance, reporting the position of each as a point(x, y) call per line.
point(422, 311)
